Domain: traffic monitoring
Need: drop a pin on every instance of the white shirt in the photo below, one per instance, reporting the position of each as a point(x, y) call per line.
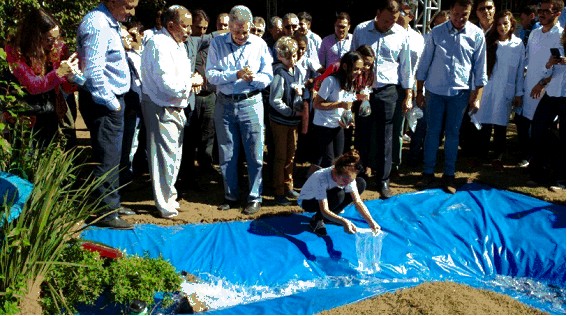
point(416, 45)
point(319, 183)
point(537, 54)
point(392, 54)
point(556, 87)
point(135, 58)
point(166, 71)
point(330, 91)
point(505, 82)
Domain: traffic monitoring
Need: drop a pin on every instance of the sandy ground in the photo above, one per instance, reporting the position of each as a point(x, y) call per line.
point(429, 298)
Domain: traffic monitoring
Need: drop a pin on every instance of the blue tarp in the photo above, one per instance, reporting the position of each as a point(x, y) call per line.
point(480, 236)
point(15, 191)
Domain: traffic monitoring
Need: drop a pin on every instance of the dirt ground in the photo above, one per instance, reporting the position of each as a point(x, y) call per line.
point(430, 298)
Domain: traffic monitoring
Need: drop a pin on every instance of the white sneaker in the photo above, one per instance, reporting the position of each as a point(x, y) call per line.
point(523, 164)
point(169, 214)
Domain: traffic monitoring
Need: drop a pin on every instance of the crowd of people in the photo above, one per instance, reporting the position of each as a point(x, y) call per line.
point(174, 100)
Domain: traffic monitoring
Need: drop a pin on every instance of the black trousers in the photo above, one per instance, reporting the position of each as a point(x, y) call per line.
point(106, 128)
point(374, 133)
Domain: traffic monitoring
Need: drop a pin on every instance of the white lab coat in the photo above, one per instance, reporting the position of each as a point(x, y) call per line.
point(505, 83)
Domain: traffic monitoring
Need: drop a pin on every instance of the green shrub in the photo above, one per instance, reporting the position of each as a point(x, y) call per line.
point(140, 278)
point(82, 276)
point(79, 276)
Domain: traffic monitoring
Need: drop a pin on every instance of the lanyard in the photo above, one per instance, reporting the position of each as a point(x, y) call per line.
point(237, 60)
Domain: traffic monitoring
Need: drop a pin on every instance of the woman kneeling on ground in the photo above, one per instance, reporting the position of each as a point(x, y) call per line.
point(325, 193)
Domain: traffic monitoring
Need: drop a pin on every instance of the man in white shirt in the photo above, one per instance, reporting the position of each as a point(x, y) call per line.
point(166, 90)
point(416, 44)
point(537, 54)
point(392, 65)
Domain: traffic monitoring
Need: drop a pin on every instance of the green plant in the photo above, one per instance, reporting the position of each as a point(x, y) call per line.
point(140, 278)
point(82, 276)
point(79, 276)
point(31, 244)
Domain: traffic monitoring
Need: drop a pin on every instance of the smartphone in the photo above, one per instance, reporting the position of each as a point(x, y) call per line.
point(555, 52)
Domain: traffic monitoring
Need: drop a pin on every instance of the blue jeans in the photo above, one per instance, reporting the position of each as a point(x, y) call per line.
point(437, 108)
point(106, 128)
point(236, 123)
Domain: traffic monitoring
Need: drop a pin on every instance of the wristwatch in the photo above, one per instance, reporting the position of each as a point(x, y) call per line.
point(542, 82)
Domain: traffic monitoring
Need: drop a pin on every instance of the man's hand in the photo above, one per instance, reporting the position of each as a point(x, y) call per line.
point(245, 74)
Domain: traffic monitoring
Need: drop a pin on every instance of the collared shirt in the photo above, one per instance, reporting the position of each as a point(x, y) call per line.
point(332, 50)
point(453, 60)
point(166, 71)
point(313, 45)
point(537, 55)
point(392, 52)
point(225, 59)
point(556, 86)
point(416, 45)
point(102, 57)
point(524, 34)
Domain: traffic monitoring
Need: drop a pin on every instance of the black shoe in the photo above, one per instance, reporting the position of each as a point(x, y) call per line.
point(227, 205)
point(115, 222)
point(292, 194)
point(449, 184)
point(427, 181)
point(196, 187)
point(125, 211)
point(384, 190)
point(318, 227)
point(282, 200)
point(252, 208)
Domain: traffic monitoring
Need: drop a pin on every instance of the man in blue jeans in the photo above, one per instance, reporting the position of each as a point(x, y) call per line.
point(453, 66)
point(105, 67)
point(240, 66)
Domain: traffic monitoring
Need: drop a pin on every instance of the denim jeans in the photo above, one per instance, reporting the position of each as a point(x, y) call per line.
point(106, 128)
point(452, 109)
point(239, 123)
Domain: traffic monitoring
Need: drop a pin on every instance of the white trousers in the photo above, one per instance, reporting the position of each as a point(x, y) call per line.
point(164, 130)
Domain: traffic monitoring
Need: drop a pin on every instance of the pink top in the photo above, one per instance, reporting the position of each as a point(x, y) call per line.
point(34, 83)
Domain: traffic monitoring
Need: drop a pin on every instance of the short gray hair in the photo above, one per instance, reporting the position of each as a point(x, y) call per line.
point(241, 14)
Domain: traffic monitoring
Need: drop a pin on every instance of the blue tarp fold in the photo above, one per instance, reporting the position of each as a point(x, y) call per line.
point(477, 236)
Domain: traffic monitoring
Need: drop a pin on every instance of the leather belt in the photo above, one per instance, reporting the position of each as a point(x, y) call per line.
point(241, 96)
point(375, 90)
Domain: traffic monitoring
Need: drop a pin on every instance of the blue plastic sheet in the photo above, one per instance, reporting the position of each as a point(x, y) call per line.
point(15, 191)
point(480, 236)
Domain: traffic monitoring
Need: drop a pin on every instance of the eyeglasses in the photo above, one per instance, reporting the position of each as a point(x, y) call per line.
point(291, 26)
point(487, 8)
point(545, 11)
point(256, 30)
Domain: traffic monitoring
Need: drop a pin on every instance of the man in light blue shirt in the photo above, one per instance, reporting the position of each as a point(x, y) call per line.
point(453, 67)
point(392, 65)
point(103, 62)
point(240, 66)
